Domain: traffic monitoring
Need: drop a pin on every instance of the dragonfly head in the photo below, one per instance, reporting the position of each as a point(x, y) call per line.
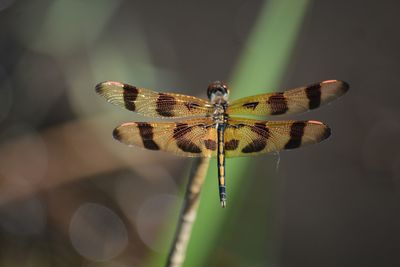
point(218, 92)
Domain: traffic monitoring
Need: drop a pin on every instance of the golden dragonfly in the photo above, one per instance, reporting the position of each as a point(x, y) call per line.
point(212, 128)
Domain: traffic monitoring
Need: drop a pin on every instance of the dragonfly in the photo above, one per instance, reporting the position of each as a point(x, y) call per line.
point(218, 128)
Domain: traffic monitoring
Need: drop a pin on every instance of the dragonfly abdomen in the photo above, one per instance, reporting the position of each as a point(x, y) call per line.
point(221, 164)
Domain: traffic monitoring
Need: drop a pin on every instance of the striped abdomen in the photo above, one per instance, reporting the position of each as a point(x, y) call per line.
point(221, 164)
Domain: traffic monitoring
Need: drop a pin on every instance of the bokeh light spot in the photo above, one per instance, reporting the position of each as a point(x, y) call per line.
point(97, 233)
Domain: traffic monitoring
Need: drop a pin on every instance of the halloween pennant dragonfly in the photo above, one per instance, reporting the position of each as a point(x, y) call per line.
point(210, 128)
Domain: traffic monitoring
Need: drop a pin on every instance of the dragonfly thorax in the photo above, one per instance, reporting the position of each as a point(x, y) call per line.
point(219, 115)
point(218, 93)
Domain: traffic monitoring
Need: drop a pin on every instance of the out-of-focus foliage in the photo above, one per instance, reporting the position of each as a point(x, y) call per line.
point(72, 196)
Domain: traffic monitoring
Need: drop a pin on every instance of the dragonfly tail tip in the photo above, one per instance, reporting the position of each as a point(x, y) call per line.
point(223, 203)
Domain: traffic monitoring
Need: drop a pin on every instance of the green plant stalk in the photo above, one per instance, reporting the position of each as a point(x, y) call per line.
point(188, 213)
point(261, 66)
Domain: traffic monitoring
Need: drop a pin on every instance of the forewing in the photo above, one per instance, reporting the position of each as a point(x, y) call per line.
point(291, 101)
point(189, 138)
point(245, 137)
point(151, 103)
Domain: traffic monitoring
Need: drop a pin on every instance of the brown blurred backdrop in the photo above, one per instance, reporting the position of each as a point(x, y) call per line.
point(71, 196)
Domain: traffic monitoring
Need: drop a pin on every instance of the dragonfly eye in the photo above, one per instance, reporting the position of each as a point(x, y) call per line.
point(216, 90)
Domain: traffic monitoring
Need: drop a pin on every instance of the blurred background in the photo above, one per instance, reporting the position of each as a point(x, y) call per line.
point(72, 196)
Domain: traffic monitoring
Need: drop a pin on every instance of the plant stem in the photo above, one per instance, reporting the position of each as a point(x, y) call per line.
point(188, 213)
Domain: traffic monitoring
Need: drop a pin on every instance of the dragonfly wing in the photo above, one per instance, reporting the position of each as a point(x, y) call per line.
point(189, 138)
point(245, 137)
point(153, 104)
point(291, 101)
